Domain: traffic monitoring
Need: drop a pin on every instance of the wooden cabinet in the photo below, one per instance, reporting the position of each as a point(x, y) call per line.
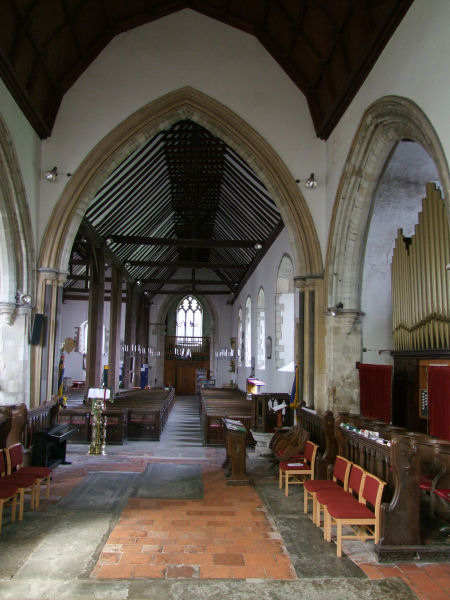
point(409, 392)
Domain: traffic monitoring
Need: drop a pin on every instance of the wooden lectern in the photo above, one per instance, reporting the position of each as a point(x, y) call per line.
point(236, 446)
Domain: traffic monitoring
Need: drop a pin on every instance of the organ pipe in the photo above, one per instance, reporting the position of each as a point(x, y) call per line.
point(420, 280)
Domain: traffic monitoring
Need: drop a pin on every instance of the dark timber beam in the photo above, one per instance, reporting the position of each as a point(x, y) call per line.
point(186, 243)
point(183, 264)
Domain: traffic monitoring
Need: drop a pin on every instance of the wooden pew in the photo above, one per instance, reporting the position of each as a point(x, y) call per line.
point(219, 403)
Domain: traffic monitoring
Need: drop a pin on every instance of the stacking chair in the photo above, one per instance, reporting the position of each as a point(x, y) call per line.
point(341, 470)
point(24, 483)
point(14, 459)
point(8, 495)
point(353, 490)
point(361, 517)
point(298, 471)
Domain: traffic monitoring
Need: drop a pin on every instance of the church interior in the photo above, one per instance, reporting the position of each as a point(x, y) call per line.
point(225, 270)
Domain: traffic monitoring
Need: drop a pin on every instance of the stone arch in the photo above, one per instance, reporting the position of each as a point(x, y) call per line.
point(185, 103)
point(17, 263)
point(17, 256)
point(386, 122)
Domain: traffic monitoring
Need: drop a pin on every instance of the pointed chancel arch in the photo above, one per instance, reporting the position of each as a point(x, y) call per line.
point(158, 115)
point(185, 103)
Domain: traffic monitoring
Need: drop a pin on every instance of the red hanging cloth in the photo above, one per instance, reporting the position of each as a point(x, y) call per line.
point(439, 401)
point(375, 391)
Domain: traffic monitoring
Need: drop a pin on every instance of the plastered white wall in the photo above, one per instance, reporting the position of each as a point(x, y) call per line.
point(265, 276)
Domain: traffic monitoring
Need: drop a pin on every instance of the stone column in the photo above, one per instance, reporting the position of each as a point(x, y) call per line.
point(95, 319)
point(312, 358)
point(48, 291)
point(344, 348)
point(15, 323)
point(115, 315)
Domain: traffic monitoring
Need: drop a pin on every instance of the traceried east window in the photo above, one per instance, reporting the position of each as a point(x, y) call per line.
point(189, 318)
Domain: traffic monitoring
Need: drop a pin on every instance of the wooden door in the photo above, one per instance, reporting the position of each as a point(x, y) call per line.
point(185, 380)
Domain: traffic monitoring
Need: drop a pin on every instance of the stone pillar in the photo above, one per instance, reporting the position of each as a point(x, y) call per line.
point(15, 323)
point(95, 318)
point(115, 315)
point(48, 297)
point(344, 348)
point(312, 357)
point(130, 336)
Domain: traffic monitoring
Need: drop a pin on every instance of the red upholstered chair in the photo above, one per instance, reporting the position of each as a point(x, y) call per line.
point(8, 495)
point(297, 471)
point(362, 517)
point(24, 483)
point(341, 472)
point(14, 459)
point(354, 486)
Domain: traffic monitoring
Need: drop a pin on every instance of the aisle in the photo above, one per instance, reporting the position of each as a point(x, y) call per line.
point(183, 428)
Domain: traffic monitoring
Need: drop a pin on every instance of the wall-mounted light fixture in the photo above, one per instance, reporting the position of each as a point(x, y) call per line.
point(310, 183)
point(257, 246)
point(334, 310)
point(24, 299)
point(52, 175)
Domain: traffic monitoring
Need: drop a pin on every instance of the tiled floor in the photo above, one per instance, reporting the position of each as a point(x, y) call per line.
point(224, 535)
point(227, 534)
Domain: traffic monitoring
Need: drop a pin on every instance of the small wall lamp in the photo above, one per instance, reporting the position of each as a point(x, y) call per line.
point(334, 310)
point(52, 175)
point(310, 183)
point(24, 299)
